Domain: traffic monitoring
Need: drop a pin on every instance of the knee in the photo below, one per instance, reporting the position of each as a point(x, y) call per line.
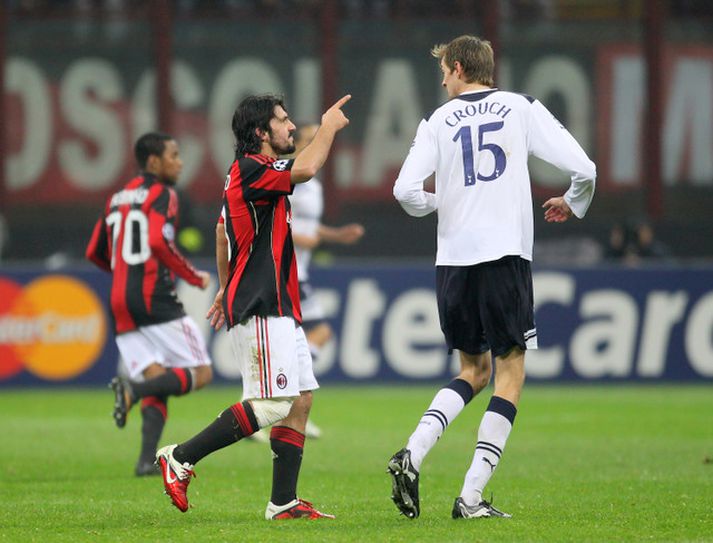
point(510, 375)
point(301, 408)
point(513, 380)
point(268, 412)
point(153, 370)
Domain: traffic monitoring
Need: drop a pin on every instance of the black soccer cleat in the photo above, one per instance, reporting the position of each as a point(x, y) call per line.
point(404, 483)
point(147, 469)
point(482, 510)
point(121, 409)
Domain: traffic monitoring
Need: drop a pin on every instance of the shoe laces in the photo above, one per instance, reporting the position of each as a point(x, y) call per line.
point(489, 504)
point(314, 513)
point(183, 471)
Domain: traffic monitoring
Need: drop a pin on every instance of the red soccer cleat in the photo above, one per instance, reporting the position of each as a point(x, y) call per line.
point(176, 476)
point(295, 509)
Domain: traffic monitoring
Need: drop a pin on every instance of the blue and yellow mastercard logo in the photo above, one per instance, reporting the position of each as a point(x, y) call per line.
point(53, 327)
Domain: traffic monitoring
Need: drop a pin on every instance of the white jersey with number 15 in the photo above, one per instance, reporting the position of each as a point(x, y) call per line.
point(478, 146)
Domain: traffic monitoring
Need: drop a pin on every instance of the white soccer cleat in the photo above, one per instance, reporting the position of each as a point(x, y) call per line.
point(481, 510)
point(313, 431)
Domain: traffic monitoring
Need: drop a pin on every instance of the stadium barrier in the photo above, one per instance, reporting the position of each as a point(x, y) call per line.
point(597, 324)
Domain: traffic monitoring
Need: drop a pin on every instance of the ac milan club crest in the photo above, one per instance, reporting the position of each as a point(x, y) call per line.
point(281, 381)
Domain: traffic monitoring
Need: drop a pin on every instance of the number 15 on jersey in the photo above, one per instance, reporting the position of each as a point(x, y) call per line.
point(466, 141)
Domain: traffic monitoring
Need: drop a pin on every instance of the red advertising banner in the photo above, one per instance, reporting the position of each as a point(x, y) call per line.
point(71, 125)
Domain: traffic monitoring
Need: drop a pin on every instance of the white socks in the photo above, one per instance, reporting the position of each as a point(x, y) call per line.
point(492, 435)
point(445, 407)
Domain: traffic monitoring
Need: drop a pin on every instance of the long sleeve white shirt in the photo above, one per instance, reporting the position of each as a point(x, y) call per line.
point(307, 204)
point(478, 145)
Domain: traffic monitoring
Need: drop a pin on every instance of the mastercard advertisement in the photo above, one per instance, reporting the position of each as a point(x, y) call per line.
point(54, 329)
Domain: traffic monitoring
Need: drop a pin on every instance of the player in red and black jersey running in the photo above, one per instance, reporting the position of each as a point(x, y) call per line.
point(259, 299)
point(162, 348)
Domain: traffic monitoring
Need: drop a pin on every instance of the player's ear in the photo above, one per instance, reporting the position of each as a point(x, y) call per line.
point(262, 134)
point(153, 162)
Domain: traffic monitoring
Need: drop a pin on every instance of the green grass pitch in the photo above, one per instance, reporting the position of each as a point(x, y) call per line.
point(587, 463)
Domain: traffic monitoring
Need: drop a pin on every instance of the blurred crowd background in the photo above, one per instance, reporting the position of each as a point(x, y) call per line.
point(632, 80)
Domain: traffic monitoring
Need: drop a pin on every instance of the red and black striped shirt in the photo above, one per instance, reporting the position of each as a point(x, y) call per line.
point(133, 239)
point(262, 277)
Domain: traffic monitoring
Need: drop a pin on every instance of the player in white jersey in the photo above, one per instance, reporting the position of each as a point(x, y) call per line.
point(308, 232)
point(477, 144)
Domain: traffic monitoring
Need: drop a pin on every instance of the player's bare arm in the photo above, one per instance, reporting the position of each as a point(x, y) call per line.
point(557, 210)
point(313, 157)
point(347, 234)
point(215, 312)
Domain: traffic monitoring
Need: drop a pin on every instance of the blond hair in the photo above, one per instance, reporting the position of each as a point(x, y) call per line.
point(474, 55)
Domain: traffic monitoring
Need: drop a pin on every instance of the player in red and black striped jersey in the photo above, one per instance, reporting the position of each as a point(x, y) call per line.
point(134, 240)
point(256, 217)
point(259, 299)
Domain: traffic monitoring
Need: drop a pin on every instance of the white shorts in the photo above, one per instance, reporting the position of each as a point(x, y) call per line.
point(174, 344)
point(274, 358)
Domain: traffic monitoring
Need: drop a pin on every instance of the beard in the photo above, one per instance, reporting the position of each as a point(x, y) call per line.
point(286, 148)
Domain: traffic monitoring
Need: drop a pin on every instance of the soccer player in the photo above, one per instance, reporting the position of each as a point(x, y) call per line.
point(259, 300)
point(478, 144)
point(162, 348)
point(308, 232)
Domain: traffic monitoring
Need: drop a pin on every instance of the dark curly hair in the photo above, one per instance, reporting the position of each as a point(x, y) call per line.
point(151, 143)
point(253, 112)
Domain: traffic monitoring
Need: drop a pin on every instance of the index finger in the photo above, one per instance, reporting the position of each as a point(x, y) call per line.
point(343, 100)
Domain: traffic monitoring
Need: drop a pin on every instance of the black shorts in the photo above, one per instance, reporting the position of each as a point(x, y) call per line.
point(487, 306)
